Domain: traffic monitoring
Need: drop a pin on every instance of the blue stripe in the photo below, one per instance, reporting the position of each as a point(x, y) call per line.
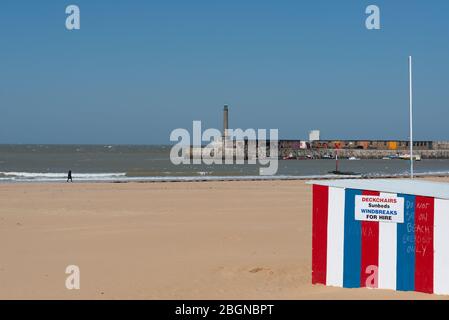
point(352, 257)
point(405, 267)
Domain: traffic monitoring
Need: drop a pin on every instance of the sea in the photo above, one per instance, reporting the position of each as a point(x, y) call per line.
point(123, 163)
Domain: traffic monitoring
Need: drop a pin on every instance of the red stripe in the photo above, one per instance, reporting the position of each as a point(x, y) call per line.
point(319, 233)
point(424, 217)
point(370, 249)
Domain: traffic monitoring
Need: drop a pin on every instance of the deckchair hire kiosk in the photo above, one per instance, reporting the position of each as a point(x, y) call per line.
point(386, 234)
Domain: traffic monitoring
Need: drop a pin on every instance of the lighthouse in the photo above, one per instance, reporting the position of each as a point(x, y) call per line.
point(225, 122)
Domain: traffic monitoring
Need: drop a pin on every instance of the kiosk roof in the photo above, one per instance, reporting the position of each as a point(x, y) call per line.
point(404, 186)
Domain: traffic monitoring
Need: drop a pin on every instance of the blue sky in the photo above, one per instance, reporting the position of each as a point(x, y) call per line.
point(139, 69)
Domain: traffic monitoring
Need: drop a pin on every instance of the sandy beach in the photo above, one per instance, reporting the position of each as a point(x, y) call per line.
point(198, 240)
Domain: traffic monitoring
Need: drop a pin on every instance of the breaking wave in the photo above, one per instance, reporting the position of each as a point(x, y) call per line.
point(201, 176)
point(57, 177)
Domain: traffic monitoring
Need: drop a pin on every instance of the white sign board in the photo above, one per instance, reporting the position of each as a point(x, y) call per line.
point(380, 209)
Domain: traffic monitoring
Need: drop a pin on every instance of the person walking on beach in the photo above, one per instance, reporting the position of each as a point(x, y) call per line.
point(69, 176)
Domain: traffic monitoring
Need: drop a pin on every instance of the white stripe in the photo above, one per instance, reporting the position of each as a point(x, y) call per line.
point(441, 247)
point(387, 252)
point(335, 237)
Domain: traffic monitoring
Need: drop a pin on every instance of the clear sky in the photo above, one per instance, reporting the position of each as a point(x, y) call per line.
point(139, 69)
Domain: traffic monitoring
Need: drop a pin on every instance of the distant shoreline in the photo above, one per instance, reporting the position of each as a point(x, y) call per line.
point(237, 178)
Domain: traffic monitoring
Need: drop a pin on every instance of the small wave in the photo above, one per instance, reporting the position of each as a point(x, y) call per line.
point(203, 176)
point(123, 177)
point(51, 176)
point(405, 174)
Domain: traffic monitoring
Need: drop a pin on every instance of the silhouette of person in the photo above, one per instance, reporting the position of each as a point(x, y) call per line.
point(69, 176)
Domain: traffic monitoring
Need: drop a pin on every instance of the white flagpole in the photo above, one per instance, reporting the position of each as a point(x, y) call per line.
point(411, 115)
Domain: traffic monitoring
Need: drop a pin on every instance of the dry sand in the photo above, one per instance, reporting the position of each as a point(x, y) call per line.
point(198, 240)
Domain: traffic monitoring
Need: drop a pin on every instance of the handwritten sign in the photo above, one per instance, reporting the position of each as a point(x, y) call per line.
point(380, 209)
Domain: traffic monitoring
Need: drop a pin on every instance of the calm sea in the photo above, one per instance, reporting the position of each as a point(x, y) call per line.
point(48, 163)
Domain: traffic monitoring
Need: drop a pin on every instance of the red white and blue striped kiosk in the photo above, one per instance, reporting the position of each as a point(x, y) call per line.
point(379, 233)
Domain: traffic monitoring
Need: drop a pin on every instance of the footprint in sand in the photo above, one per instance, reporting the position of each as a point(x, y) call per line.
point(260, 269)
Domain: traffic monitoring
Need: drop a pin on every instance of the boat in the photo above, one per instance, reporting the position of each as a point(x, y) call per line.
point(353, 158)
point(289, 157)
point(416, 157)
point(391, 157)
